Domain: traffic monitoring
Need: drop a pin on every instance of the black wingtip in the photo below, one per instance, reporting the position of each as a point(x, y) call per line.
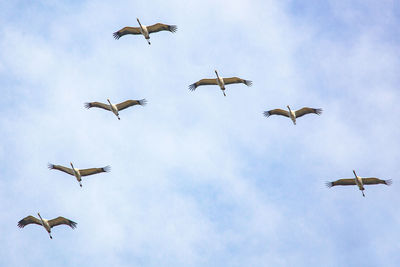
point(329, 184)
point(106, 168)
point(248, 83)
point(192, 87)
point(318, 111)
point(143, 102)
point(173, 28)
point(87, 105)
point(388, 182)
point(116, 35)
point(72, 224)
point(266, 114)
point(50, 166)
point(20, 225)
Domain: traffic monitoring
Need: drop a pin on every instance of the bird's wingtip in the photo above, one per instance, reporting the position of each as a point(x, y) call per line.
point(388, 182)
point(73, 224)
point(329, 184)
point(248, 83)
point(143, 102)
point(116, 35)
point(192, 87)
point(107, 168)
point(173, 28)
point(266, 114)
point(87, 105)
point(50, 166)
point(318, 111)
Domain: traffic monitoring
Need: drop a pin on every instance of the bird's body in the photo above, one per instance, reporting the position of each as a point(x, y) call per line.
point(359, 181)
point(145, 30)
point(293, 115)
point(78, 173)
point(47, 224)
point(221, 82)
point(116, 108)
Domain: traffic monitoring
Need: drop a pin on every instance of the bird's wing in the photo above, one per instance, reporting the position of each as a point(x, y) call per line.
point(28, 220)
point(129, 103)
point(373, 180)
point(161, 27)
point(126, 30)
point(304, 111)
point(60, 168)
point(237, 80)
point(86, 172)
point(97, 105)
point(347, 181)
point(277, 111)
point(61, 220)
point(193, 86)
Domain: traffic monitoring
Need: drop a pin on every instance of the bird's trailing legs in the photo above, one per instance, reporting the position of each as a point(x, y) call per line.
point(223, 91)
point(362, 191)
point(50, 236)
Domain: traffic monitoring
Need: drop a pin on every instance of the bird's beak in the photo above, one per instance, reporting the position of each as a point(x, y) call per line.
point(216, 72)
point(354, 172)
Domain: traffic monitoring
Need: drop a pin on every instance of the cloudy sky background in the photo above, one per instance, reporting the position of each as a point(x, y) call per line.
point(199, 179)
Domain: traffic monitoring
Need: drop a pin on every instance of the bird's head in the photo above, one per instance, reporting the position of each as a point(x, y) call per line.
point(288, 107)
point(71, 165)
point(39, 215)
point(216, 72)
point(354, 173)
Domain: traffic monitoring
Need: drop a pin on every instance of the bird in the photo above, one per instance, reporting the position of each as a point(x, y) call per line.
point(47, 224)
point(115, 108)
point(78, 173)
point(145, 30)
point(292, 114)
point(221, 82)
point(359, 181)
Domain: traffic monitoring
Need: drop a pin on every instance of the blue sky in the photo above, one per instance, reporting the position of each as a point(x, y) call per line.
point(199, 179)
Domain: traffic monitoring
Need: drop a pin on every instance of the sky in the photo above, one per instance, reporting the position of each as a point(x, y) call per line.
point(199, 179)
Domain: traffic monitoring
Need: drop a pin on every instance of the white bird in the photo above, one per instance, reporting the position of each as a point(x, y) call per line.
point(145, 30)
point(292, 114)
point(221, 82)
point(47, 224)
point(360, 182)
point(116, 108)
point(77, 172)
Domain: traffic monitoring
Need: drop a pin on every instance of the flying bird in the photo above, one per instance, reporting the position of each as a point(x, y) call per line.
point(221, 82)
point(292, 114)
point(47, 224)
point(145, 30)
point(77, 172)
point(116, 108)
point(360, 182)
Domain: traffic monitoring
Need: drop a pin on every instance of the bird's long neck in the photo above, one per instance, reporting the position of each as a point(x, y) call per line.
point(41, 219)
point(290, 110)
point(217, 74)
point(72, 166)
point(109, 102)
point(139, 23)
